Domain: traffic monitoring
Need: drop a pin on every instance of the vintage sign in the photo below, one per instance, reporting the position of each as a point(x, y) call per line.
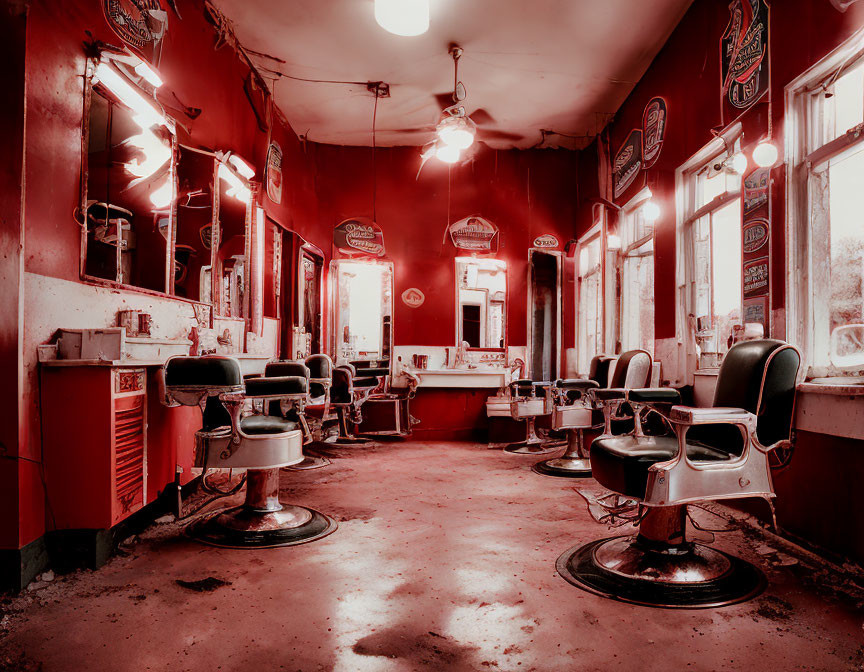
point(141, 24)
point(756, 310)
point(273, 172)
point(474, 233)
point(627, 162)
point(546, 241)
point(755, 277)
point(653, 131)
point(744, 53)
point(755, 234)
point(756, 190)
point(359, 237)
point(413, 297)
point(206, 233)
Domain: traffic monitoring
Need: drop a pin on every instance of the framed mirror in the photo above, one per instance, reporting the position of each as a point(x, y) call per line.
point(481, 303)
point(364, 310)
point(310, 304)
point(193, 240)
point(128, 185)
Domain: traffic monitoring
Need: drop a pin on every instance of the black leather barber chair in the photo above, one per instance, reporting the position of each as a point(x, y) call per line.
point(259, 444)
point(580, 404)
point(296, 410)
point(529, 400)
point(716, 453)
point(352, 386)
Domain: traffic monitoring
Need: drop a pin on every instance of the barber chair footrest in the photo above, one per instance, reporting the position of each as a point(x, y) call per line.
point(564, 467)
point(535, 447)
point(242, 527)
point(310, 462)
point(692, 576)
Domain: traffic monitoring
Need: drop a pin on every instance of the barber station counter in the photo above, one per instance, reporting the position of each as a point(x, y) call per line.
point(455, 378)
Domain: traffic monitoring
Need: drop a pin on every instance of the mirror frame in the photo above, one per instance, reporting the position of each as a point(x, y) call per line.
point(458, 325)
point(307, 248)
point(334, 301)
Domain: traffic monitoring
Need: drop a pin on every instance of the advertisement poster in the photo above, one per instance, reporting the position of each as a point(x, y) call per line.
point(627, 162)
point(744, 57)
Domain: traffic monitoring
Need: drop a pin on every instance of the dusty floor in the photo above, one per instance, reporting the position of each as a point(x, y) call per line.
point(444, 560)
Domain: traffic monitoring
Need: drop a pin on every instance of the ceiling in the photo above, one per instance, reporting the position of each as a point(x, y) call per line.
point(560, 65)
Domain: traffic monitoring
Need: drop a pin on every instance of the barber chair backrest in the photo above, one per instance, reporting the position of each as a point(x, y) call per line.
point(632, 371)
point(341, 391)
point(289, 368)
point(320, 369)
point(760, 376)
point(190, 379)
point(599, 370)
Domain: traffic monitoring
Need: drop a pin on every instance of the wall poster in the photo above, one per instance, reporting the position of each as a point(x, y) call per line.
point(273, 172)
point(744, 59)
point(653, 131)
point(141, 24)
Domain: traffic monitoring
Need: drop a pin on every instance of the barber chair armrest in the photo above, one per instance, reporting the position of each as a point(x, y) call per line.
point(576, 384)
point(654, 395)
point(690, 415)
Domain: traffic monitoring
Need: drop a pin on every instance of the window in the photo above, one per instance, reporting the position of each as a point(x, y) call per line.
point(636, 320)
point(825, 150)
point(709, 246)
point(595, 325)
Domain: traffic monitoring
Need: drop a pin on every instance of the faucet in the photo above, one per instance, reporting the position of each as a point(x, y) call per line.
point(460, 354)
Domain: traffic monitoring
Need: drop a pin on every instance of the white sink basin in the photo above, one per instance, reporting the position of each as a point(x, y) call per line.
point(470, 378)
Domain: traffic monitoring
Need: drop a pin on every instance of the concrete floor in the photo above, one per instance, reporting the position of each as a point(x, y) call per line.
point(444, 560)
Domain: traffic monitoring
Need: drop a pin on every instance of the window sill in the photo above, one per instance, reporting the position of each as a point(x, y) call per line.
point(841, 387)
point(832, 409)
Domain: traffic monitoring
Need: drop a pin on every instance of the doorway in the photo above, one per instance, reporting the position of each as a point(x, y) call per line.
point(544, 314)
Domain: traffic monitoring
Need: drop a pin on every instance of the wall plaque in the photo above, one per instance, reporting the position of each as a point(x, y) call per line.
point(413, 297)
point(653, 131)
point(743, 54)
point(546, 241)
point(141, 24)
point(273, 172)
point(756, 277)
point(474, 233)
point(628, 162)
point(755, 190)
point(755, 234)
point(359, 237)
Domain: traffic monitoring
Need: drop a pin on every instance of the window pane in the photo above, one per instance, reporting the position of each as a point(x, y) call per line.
point(726, 272)
point(845, 108)
point(847, 239)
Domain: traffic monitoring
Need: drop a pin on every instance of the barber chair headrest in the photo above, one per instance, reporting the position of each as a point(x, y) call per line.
point(599, 369)
point(212, 374)
point(274, 387)
point(320, 366)
point(288, 368)
point(632, 371)
point(760, 376)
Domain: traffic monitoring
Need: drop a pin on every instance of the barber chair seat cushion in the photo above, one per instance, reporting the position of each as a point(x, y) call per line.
point(210, 371)
point(272, 387)
point(621, 463)
point(266, 424)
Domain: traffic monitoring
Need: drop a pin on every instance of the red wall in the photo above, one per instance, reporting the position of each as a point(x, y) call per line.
point(814, 498)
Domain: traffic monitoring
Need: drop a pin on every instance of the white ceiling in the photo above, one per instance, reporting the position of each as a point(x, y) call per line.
point(562, 65)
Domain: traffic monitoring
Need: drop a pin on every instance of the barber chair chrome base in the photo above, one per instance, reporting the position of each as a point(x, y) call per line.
point(659, 568)
point(310, 462)
point(527, 409)
point(263, 445)
point(574, 463)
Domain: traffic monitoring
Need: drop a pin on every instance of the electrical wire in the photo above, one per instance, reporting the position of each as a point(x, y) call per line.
point(279, 74)
point(374, 164)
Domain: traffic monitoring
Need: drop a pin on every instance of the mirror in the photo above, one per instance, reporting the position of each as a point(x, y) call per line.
point(194, 237)
point(309, 304)
point(231, 249)
point(272, 269)
point(544, 314)
point(481, 289)
point(129, 182)
point(364, 310)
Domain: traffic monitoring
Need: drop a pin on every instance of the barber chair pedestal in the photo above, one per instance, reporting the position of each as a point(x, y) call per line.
point(574, 463)
point(658, 567)
point(526, 406)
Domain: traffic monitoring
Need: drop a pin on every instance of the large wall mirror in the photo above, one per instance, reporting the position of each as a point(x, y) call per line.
point(231, 254)
point(481, 292)
point(128, 186)
point(364, 310)
point(194, 224)
point(309, 322)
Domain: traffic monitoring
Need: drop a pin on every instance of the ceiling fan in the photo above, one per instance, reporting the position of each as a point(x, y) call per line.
point(457, 130)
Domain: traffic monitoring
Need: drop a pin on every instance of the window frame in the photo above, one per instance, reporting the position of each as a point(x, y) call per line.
point(726, 142)
point(629, 213)
point(806, 154)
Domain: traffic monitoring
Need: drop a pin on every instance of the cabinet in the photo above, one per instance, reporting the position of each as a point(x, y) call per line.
point(94, 442)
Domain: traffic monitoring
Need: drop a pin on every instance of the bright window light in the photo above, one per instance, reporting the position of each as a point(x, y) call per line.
point(145, 114)
point(403, 17)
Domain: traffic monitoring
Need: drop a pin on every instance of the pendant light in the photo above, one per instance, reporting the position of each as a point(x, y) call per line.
point(651, 211)
point(765, 154)
point(403, 17)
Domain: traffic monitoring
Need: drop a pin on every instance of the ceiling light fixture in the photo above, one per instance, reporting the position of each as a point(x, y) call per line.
point(456, 132)
point(447, 153)
point(403, 17)
point(145, 114)
point(152, 77)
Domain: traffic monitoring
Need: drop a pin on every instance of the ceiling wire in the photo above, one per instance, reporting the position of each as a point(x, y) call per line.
point(374, 164)
point(278, 74)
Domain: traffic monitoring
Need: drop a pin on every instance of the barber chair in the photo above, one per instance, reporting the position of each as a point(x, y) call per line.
point(581, 404)
point(351, 388)
point(529, 400)
point(716, 453)
point(260, 444)
point(297, 410)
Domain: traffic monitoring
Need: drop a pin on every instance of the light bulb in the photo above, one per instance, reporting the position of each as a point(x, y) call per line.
point(447, 154)
point(738, 163)
point(403, 17)
point(765, 154)
point(457, 137)
point(149, 74)
point(651, 211)
point(161, 197)
point(156, 153)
